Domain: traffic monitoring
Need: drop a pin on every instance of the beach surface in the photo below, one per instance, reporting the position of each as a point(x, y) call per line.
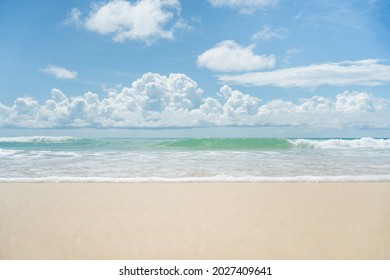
point(195, 220)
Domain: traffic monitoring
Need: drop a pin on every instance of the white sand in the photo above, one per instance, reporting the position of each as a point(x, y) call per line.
point(195, 221)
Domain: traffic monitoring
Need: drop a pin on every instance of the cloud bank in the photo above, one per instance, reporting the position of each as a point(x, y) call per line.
point(228, 56)
point(59, 72)
point(156, 101)
point(144, 20)
point(369, 72)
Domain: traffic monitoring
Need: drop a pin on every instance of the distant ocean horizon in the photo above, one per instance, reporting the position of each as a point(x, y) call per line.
point(78, 159)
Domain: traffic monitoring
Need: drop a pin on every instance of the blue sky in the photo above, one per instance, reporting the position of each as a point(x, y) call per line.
point(319, 64)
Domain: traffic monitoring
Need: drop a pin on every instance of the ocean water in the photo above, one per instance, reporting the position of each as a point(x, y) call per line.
point(72, 159)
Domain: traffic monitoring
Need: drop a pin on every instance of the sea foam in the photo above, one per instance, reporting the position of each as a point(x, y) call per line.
point(218, 178)
point(342, 143)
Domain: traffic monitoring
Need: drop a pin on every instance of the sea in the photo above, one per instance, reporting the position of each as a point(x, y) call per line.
point(76, 159)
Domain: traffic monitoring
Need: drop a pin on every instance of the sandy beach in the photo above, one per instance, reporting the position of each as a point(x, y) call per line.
point(195, 221)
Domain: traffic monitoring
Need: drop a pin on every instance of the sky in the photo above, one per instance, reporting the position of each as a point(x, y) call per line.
point(319, 66)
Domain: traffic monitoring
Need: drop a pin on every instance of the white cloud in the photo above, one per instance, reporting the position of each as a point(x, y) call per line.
point(368, 72)
point(341, 14)
point(267, 33)
point(144, 20)
point(298, 16)
point(228, 56)
point(349, 109)
point(74, 18)
point(244, 6)
point(289, 54)
point(177, 101)
point(59, 72)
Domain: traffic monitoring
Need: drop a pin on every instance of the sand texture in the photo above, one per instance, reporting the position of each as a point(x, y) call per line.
point(195, 221)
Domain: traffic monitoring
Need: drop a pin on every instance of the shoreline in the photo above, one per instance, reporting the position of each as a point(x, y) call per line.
point(222, 179)
point(196, 220)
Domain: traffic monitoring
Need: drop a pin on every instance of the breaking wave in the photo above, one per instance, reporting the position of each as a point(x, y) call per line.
point(267, 144)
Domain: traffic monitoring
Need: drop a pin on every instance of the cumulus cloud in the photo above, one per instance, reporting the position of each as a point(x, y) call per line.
point(59, 72)
point(349, 109)
point(228, 56)
point(244, 6)
point(144, 20)
point(156, 101)
point(370, 72)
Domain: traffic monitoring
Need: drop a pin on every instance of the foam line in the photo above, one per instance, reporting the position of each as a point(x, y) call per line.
point(219, 178)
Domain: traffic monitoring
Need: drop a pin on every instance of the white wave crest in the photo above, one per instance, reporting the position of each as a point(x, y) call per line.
point(6, 153)
point(27, 139)
point(366, 143)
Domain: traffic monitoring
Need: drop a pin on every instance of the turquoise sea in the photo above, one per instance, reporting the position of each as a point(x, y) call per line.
point(73, 159)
